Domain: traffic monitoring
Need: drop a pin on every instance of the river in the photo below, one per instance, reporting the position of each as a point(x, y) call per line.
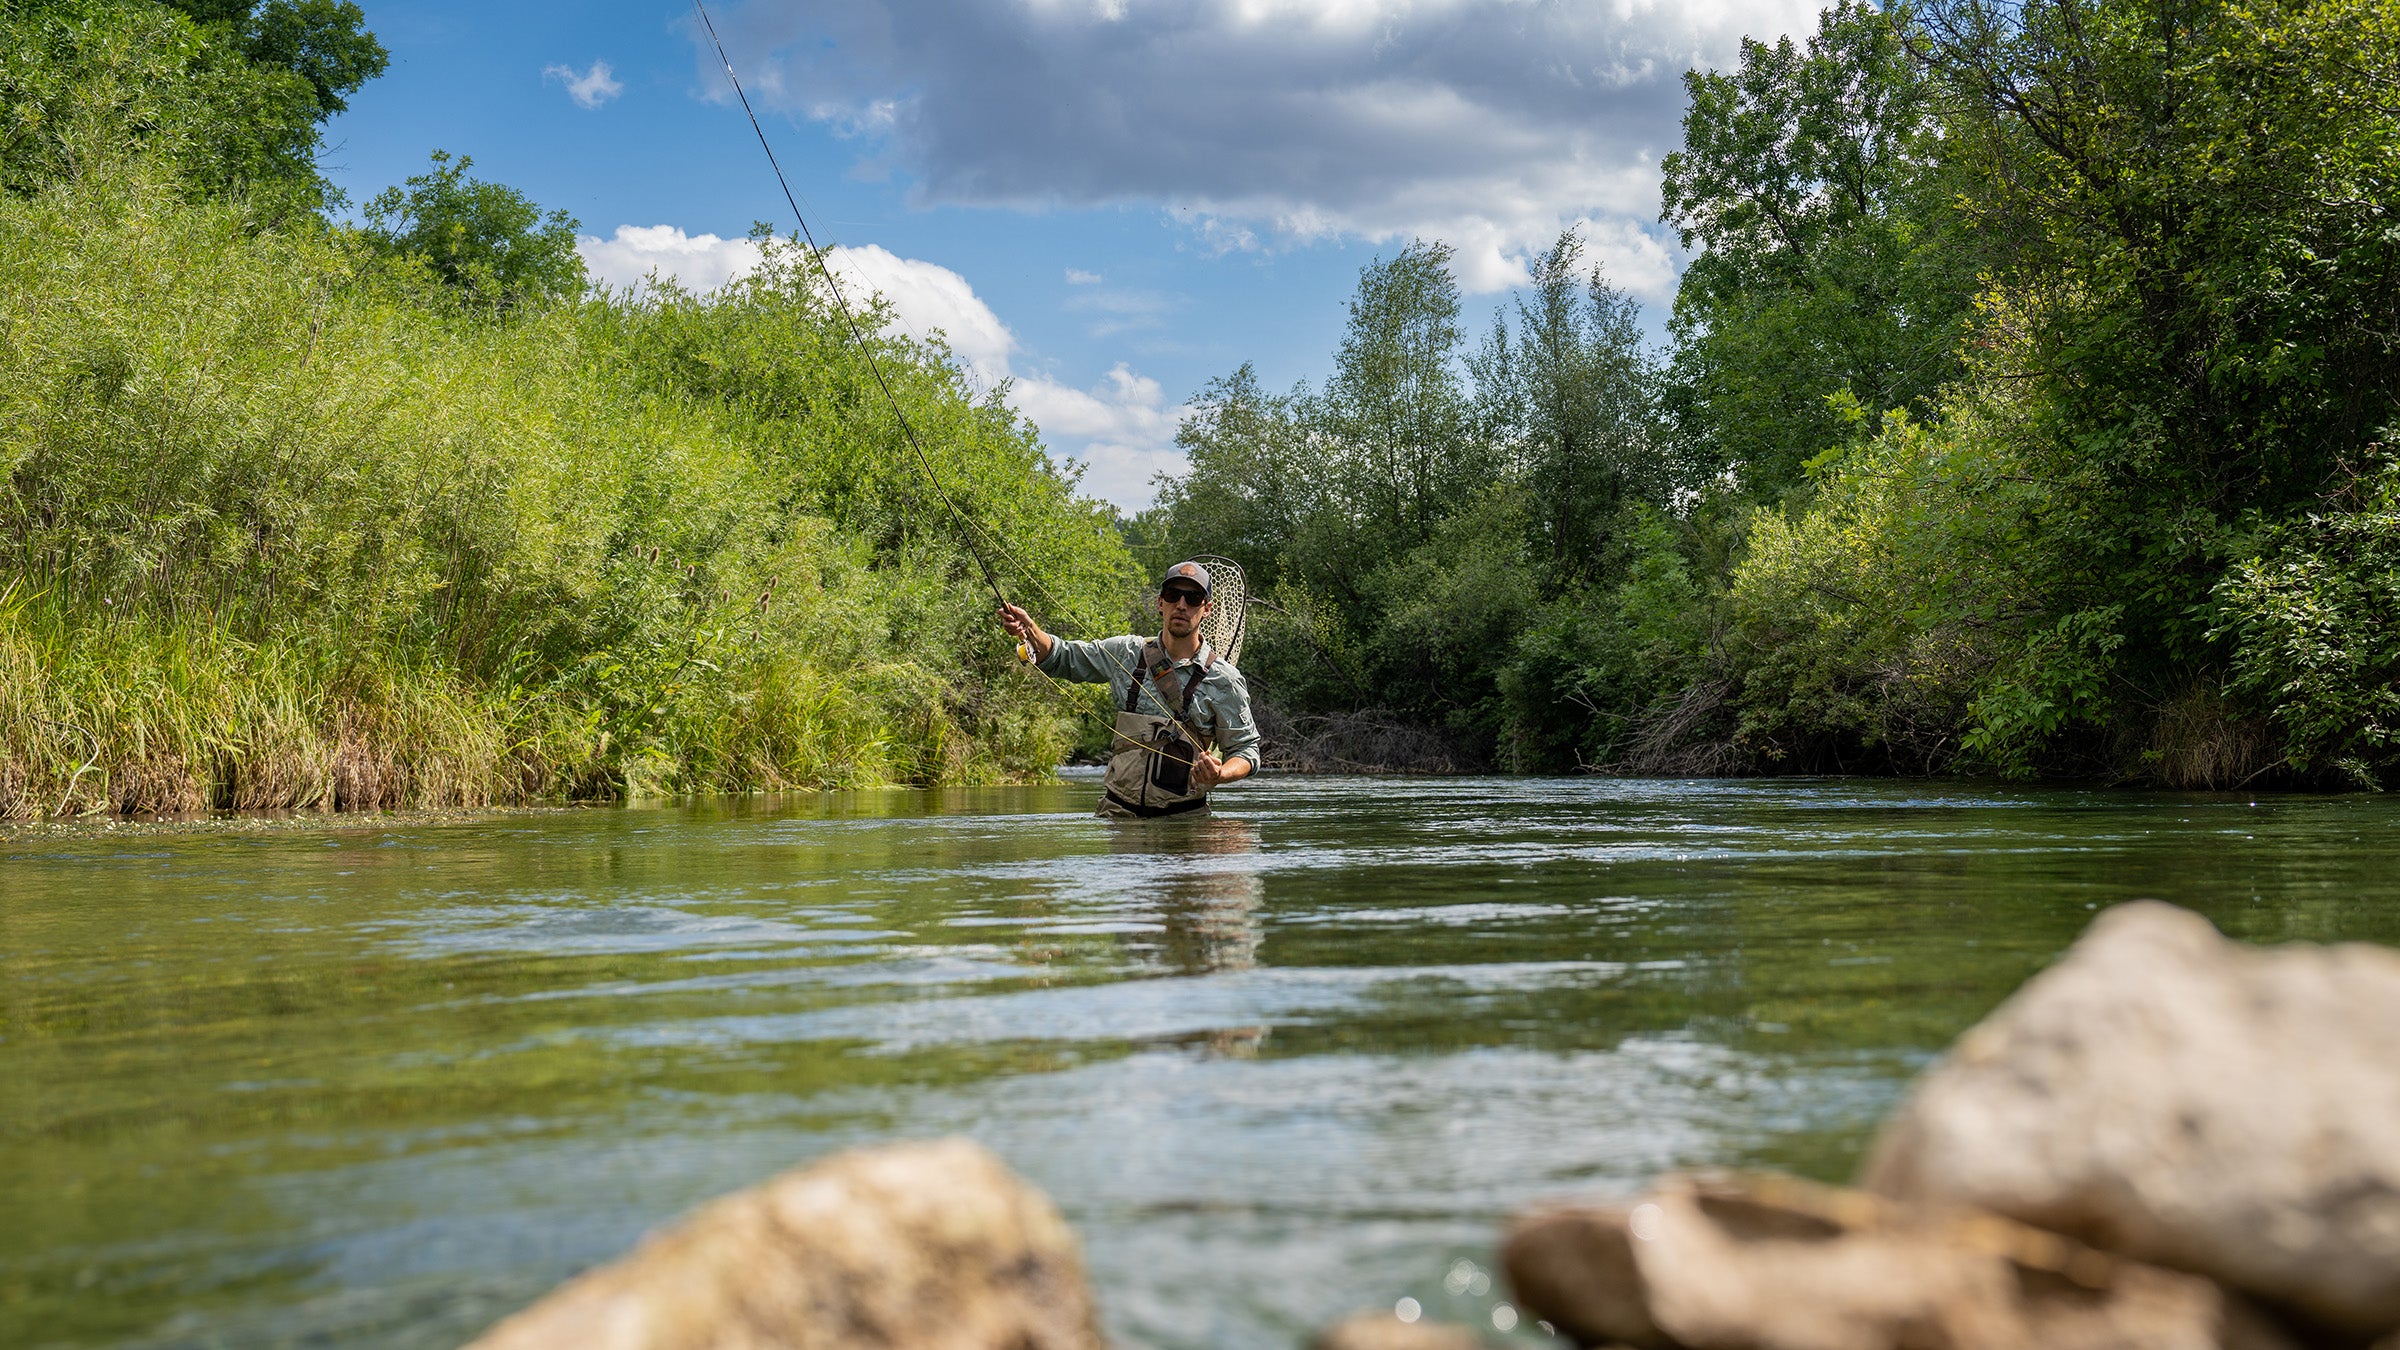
point(370, 1083)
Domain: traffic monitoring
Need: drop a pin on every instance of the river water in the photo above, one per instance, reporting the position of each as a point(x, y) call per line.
point(377, 1084)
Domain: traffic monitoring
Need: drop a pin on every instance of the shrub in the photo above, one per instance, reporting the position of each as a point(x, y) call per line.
point(276, 506)
point(2314, 619)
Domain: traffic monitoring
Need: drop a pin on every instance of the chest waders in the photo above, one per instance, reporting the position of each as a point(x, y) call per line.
point(1151, 772)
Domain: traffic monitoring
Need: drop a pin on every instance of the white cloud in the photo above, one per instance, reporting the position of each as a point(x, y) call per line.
point(1076, 276)
point(1121, 428)
point(589, 88)
point(1126, 430)
point(697, 262)
point(927, 297)
point(1490, 124)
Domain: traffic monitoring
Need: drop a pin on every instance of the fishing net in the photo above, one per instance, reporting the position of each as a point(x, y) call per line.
point(1226, 624)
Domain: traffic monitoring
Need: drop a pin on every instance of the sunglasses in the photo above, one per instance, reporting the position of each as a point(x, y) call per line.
point(1182, 596)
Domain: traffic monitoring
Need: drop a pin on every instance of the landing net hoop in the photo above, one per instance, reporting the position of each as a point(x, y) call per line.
point(1228, 614)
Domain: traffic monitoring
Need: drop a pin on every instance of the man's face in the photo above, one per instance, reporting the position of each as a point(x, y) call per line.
point(1182, 608)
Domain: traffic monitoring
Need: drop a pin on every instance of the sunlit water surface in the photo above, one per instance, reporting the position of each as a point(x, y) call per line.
point(367, 1084)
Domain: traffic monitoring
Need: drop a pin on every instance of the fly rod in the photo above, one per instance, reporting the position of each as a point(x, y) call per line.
point(857, 335)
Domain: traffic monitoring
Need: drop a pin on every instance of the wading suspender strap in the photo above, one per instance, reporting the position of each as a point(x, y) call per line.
point(1154, 656)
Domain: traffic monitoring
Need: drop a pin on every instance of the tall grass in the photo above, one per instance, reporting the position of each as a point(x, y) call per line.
point(283, 525)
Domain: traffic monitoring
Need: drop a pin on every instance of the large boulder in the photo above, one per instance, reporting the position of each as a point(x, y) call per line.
point(1772, 1263)
point(930, 1246)
point(2174, 1096)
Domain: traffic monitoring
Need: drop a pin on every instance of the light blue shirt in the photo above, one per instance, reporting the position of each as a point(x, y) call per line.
point(1219, 708)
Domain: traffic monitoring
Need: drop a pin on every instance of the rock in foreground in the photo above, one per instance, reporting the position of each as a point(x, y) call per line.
point(2169, 1094)
point(930, 1246)
point(1770, 1263)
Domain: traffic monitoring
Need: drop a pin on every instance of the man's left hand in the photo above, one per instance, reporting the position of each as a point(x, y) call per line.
point(1209, 771)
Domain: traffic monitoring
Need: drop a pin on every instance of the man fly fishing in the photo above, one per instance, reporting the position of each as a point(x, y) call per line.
point(1175, 697)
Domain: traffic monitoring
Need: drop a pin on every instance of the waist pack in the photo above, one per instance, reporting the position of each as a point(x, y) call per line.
point(1171, 758)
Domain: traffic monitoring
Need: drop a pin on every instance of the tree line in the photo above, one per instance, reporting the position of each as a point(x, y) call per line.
point(2027, 407)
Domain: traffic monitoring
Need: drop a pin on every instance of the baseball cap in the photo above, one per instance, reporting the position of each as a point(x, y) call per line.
point(1191, 572)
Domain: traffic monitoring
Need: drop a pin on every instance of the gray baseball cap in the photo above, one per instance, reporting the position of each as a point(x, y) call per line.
point(1191, 572)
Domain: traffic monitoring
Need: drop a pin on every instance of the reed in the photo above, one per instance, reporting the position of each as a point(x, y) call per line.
point(286, 525)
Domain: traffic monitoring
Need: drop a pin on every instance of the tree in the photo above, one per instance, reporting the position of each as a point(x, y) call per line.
point(2203, 298)
point(1256, 485)
point(1831, 263)
point(2205, 193)
point(1574, 400)
point(228, 99)
point(90, 83)
point(488, 239)
point(1395, 410)
point(322, 41)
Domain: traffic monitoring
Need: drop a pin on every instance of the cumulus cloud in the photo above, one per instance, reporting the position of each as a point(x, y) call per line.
point(697, 262)
point(1122, 429)
point(1487, 123)
point(589, 88)
point(927, 297)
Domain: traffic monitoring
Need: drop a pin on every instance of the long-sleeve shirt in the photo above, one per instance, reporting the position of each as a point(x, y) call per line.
point(1219, 707)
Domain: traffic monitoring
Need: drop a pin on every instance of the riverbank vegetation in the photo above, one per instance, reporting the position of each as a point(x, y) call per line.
point(303, 515)
point(2028, 408)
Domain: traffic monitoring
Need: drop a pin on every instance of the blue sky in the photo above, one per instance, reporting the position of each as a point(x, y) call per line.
point(1106, 202)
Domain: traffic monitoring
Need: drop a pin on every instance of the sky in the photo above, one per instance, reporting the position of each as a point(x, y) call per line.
point(1103, 203)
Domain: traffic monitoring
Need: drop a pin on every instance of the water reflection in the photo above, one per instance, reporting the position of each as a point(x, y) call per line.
point(1206, 875)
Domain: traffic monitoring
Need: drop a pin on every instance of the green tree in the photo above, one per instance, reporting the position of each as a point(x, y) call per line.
point(1396, 410)
point(324, 42)
point(1255, 489)
point(1811, 179)
point(2204, 288)
point(1317, 491)
point(487, 239)
point(231, 97)
point(1572, 398)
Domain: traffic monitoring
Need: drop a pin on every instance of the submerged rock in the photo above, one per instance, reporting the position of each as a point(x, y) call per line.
point(1771, 1263)
point(2169, 1094)
point(1382, 1331)
point(931, 1246)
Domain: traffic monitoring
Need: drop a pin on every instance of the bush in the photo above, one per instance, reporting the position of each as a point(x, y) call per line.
point(2314, 619)
point(84, 82)
point(1864, 629)
point(274, 499)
